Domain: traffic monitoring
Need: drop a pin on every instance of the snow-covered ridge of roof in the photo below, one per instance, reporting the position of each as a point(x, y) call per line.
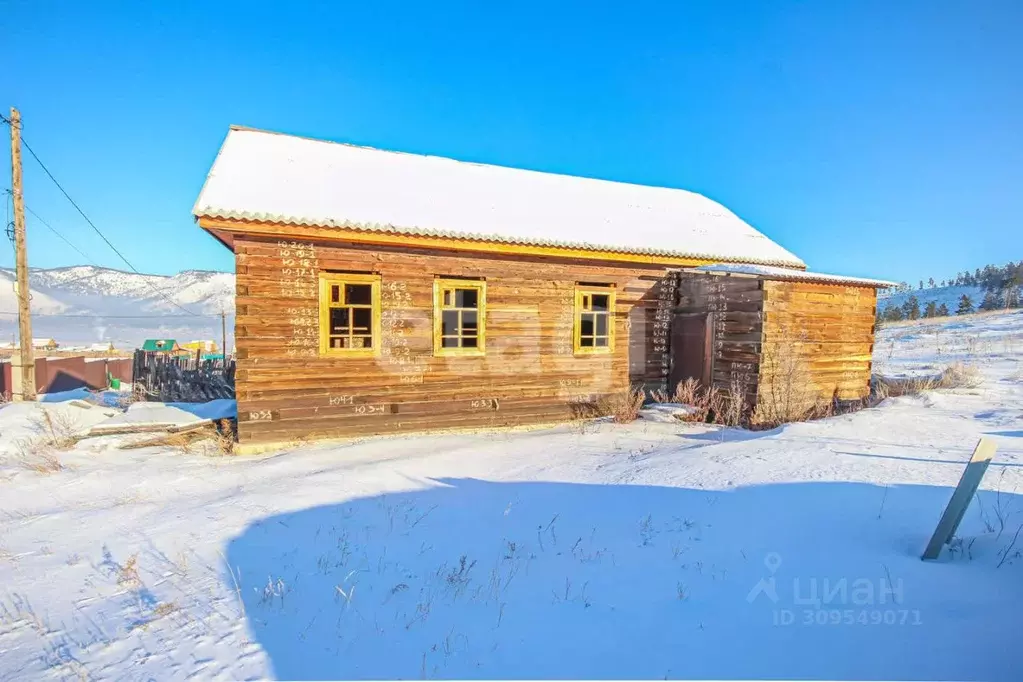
point(273, 177)
point(788, 274)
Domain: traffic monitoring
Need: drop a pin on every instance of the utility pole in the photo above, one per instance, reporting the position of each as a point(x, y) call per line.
point(223, 334)
point(24, 357)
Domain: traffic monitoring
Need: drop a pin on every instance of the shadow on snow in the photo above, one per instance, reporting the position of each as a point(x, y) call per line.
point(478, 579)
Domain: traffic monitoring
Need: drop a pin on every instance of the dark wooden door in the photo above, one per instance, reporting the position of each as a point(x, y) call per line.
point(691, 346)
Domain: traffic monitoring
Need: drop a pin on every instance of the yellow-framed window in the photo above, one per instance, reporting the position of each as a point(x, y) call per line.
point(349, 314)
point(459, 317)
point(594, 319)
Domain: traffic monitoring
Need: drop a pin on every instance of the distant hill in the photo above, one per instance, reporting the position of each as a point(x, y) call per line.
point(948, 295)
point(87, 304)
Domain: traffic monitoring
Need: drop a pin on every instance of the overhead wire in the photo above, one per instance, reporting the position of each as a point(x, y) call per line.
point(91, 224)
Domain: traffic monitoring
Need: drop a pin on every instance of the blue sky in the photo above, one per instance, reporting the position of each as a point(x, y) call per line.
point(871, 138)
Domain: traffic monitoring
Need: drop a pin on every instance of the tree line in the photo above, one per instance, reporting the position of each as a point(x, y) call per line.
point(1001, 286)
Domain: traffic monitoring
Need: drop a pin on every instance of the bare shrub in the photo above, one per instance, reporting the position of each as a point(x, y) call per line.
point(688, 392)
point(660, 396)
point(786, 392)
point(705, 402)
point(623, 406)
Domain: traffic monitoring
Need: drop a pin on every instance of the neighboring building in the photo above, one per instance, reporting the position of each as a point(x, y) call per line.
point(37, 344)
point(204, 346)
point(107, 347)
point(382, 292)
point(169, 346)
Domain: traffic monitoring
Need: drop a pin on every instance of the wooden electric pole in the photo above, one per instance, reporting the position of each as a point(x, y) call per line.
point(27, 361)
point(223, 334)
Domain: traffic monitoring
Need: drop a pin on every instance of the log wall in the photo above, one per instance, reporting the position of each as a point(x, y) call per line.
point(529, 373)
point(827, 329)
point(734, 306)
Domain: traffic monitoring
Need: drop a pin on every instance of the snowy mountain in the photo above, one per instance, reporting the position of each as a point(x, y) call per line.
point(86, 304)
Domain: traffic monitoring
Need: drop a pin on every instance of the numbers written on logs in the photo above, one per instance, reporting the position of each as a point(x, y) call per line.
point(260, 416)
point(484, 404)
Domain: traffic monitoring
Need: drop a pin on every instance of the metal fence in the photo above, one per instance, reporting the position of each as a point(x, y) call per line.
point(187, 379)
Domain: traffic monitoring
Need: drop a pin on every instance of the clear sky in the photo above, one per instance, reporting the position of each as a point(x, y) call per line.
point(871, 138)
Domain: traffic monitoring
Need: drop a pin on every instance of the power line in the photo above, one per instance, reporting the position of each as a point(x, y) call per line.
point(54, 231)
point(92, 224)
point(116, 317)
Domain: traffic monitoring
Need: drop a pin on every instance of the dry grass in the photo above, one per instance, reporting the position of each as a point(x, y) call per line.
point(56, 431)
point(623, 406)
point(60, 429)
point(956, 375)
point(731, 408)
point(34, 456)
point(128, 574)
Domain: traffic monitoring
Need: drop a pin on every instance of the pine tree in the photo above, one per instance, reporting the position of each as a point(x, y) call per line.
point(931, 309)
point(892, 313)
point(921, 285)
point(1011, 297)
point(911, 308)
point(930, 282)
point(942, 310)
point(965, 305)
point(990, 301)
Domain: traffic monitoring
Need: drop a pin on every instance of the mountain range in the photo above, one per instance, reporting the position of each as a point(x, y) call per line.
point(85, 304)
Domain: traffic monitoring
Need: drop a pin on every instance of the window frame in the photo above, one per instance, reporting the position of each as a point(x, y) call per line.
point(582, 290)
point(439, 285)
point(328, 279)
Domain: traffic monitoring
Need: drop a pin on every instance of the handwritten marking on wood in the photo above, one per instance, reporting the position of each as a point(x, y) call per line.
point(340, 400)
point(371, 409)
point(961, 497)
point(260, 416)
point(484, 404)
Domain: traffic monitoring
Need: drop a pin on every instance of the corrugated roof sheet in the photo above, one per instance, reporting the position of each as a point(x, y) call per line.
point(272, 177)
point(787, 274)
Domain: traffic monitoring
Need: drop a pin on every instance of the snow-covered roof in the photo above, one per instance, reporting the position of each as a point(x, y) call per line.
point(788, 274)
point(273, 177)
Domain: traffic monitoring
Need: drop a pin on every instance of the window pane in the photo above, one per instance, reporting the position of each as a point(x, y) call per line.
point(601, 325)
point(449, 323)
point(586, 341)
point(337, 341)
point(469, 342)
point(362, 342)
point(586, 324)
point(362, 319)
point(467, 298)
point(449, 342)
point(469, 322)
point(338, 320)
point(358, 294)
point(335, 293)
point(600, 301)
point(602, 341)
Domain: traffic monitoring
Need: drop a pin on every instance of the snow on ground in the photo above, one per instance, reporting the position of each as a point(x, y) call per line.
point(594, 550)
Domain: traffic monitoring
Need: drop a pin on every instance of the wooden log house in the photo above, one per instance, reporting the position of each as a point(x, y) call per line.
point(381, 292)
